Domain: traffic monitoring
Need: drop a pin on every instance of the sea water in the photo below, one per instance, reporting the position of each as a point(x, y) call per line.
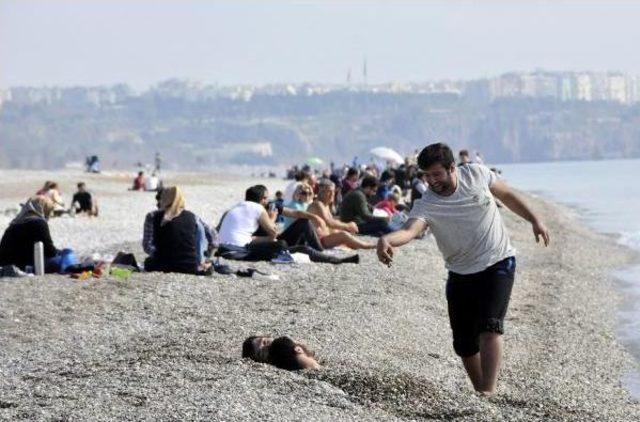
point(606, 195)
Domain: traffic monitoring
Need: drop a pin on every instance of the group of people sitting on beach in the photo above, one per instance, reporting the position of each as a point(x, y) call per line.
point(458, 203)
point(31, 226)
point(312, 216)
point(82, 201)
point(151, 183)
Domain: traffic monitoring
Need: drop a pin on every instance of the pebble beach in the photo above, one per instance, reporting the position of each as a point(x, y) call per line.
point(167, 346)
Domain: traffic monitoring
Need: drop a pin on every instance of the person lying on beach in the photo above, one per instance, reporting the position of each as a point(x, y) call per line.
point(83, 201)
point(248, 232)
point(282, 352)
point(355, 208)
point(336, 233)
point(461, 211)
point(174, 237)
point(27, 228)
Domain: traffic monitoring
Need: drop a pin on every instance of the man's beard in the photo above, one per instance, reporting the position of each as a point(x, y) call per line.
point(441, 187)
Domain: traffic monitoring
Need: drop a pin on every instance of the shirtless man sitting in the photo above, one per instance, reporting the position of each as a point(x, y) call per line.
point(336, 232)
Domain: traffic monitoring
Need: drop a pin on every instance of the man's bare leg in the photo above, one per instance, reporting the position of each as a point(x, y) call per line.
point(490, 361)
point(343, 238)
point(474, 370)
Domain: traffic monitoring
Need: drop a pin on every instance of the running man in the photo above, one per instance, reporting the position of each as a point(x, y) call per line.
point(461, 211)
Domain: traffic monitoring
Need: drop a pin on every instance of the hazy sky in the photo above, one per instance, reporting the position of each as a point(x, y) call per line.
point(141, 42)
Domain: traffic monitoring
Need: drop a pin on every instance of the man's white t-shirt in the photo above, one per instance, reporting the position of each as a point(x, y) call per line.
point(467, 225)
point(239, 224)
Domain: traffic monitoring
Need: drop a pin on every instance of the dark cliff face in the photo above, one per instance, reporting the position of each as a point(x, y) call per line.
point(337, 126)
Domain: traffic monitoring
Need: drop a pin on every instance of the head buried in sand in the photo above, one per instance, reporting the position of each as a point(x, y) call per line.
point(282, 352)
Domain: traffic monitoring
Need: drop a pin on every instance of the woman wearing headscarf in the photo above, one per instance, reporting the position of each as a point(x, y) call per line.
point(30, 226)
point(178, 237)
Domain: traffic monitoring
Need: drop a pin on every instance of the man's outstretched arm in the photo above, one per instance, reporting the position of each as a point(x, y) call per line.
point(412, 228)
point(512, 201)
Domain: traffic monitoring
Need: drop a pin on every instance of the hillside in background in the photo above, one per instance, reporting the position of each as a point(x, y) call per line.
point(282, 129)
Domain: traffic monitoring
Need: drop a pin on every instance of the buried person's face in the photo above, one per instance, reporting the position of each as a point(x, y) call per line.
point(261, 347)
point(257, 348)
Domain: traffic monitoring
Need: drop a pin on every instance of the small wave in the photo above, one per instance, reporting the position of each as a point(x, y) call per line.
point(630, 239)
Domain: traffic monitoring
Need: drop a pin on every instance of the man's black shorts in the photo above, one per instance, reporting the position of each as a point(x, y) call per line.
point(478, 303)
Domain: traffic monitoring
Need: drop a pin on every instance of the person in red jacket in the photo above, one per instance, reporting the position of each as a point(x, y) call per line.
point(389, 204)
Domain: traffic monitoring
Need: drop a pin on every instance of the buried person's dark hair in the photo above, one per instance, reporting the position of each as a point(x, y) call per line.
point(434, 154)
point(282, 354)
point(248, 351)
point(369, 182)
point(255, 193)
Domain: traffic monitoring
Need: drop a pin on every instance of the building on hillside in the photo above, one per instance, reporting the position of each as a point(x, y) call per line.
point(599, 87)
point(583, 87)
point(539, 85)
point(567, 87)
point(617, 87)
point(507, 85)
point(633, 89)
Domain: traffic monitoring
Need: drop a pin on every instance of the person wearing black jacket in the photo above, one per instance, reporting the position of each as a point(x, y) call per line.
point(29, 226)
point(177, 236)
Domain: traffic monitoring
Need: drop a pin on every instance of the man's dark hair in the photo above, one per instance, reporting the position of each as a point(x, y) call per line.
point(352, 172)
point(282, 354)
point(434, 154)
point(255, 193)
point(301, 175)
point(463, 153)
point(140, 173)
point(369, 182)
point(248, 351)
point(81, 185)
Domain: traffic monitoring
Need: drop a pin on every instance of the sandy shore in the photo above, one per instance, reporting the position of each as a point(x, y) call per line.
point(166, 347)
